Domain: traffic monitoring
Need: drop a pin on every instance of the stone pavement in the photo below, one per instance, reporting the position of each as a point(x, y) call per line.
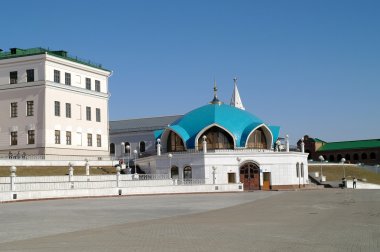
point(318, 220)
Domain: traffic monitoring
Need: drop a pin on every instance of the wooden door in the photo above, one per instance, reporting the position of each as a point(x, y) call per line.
point(250, 176)
point(266, 180)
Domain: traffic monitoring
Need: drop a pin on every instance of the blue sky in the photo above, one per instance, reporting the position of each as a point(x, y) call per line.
point(312, 67)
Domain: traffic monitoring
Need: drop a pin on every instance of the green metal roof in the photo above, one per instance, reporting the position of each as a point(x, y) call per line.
point(318, 140)
point(361, 144)
point(17, 52)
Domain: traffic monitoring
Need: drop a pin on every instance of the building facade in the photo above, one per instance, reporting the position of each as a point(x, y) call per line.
point(360, 151)
point(52, 105)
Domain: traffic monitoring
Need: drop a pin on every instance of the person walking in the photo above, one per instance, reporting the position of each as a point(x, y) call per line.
point(354, 183)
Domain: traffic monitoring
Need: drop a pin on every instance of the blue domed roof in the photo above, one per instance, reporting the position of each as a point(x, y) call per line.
point(238, 122)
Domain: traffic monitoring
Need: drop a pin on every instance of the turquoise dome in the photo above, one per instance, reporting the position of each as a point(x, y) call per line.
point(237, 122)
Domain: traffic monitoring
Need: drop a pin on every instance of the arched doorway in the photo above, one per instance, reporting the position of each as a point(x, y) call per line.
point(250, 176)
point(174, 172)
point(187, 173)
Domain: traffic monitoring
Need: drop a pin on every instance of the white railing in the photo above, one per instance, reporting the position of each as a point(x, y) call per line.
point(19, 156)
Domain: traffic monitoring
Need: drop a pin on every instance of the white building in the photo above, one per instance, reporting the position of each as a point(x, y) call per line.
point(215, 143)
point(52, 104)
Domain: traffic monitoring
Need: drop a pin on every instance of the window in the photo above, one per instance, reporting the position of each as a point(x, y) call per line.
point(30, 75)
point(14, 109)
point(88, 83)
point(98, 114)
point(68, 79)
point(89, 139)
point(57, 76)
point(31, 136)
point(14, 138)
point(257, 140)
point(372, 155)
point(175, 142)
point(302, 170)
point(68, 137)
point(13, 77)
point(68, 110)
point(298, 170)
point(57, 108)
point(112, 148)
point(127, 148)
point(364, 156)
point(57, 137)
point(142, 146)
point(216, 138)
point(98, 140)
point(88, 113)
point(29, 108)
point(97, 86)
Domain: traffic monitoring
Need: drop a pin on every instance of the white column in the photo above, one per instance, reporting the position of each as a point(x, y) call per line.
point(13, 170)
point(158, 147)
point(302, 146)
point(87, 168)
point(204, 143)
point(287, 143)
point(71, 172)
point(117, 176)
point(238, 170)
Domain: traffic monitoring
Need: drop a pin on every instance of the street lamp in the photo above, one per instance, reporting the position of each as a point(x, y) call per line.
point(321, 158)
point(135, 152)
point(343, 160)
point(122, 150)
point(170, 156)
point(129, 154)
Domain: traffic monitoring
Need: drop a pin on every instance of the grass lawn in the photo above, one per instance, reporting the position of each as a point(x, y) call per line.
point(335, 172)
point(54, 171)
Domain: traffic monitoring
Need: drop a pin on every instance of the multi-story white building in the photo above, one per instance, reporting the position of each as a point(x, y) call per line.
point(52, 104)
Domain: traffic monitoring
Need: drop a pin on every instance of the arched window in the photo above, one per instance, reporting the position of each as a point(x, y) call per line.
point(298, 170)
point(175, 142)
point(187, 173)
point(331, 158)
point(217, 138)
point(302, 170)
point(257, 140)
point(356, 156)
point(174, 172)
point(347, 157)
point(127, 149)
point(364, 156)
point(339, 157)
point(142, 146)
point(372, 155)
point(112, 148)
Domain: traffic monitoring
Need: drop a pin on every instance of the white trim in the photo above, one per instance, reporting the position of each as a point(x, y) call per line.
point(269, 146)
point(210, 126)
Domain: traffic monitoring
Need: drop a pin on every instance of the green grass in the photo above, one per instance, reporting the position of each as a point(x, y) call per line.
point(335, 172)
point(55, 171)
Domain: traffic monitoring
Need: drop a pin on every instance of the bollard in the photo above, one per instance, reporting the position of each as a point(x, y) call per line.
point(13, 170)
point(204, 144)
point(87, 165)
point(117, 176)
point(71, 171)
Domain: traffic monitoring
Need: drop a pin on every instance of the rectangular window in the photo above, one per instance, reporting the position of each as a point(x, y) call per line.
point(89, 139)
point(68, 110)
point(57, 137)
point(31, 136)
point(68, 137)
point(88, 83)
point(14, 138)
point(30, 75)
point(98, 140)
point(68, 79)
point(57, 76)
point(88, 113)
point(97, 86)
point(30, 108)
point(57, 108)
point(13, 109)
point(13, 77)
point(98, 114)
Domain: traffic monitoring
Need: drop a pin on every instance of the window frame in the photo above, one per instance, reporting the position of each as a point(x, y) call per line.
point(57, 136)
point(13, 79)
point(68, 79)
point(88, 113)
point(89, 139)
point(98, 140)
point(88, 83)
point(29, 108)
point(97, 85)
point(31, 136)
point(68, 137)
point(68, 110)
point(57, 108)
point(97, 114)
point(14, 140)
point(14, 109)
point(57, 76)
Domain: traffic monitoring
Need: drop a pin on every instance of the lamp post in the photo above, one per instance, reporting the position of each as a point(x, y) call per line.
point(135, 152)
point(122, 150)
point(129, 155)
point(213, 174)
point(321, 158)
point(170, 156)
point(343, 160)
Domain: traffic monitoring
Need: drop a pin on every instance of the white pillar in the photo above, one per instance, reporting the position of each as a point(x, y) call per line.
point(71, 172)
point(238, 170)
point(158, 147)
point(13, 170)
point(302, 146)
point(204, 143)
point(287, 143)
point(213, 175)
point(117, 175)
point(87, 168)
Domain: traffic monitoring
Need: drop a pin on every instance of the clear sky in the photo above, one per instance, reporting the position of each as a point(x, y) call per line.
point(310, 66)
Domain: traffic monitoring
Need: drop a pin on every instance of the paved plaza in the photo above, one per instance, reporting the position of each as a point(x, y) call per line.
point(318, 220)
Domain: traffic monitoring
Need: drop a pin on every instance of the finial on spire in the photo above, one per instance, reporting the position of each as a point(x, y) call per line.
point(215, 100)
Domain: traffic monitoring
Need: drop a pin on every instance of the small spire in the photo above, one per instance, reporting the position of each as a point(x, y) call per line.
point(215, 100)
point(235, 100)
